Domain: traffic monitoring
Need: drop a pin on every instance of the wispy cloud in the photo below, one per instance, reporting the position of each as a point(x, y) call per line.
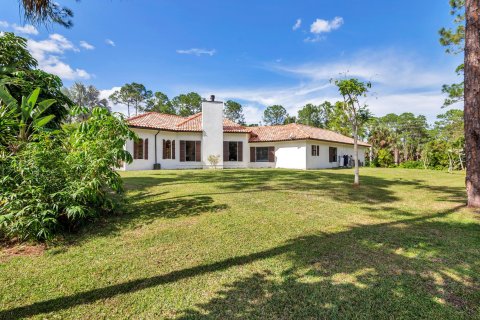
point(49, 54)
point(86, 45)
point(4, 24)
point(297, 24)
point(110, 42)
point(26, 29)
point(197, 52)
point(401, 83)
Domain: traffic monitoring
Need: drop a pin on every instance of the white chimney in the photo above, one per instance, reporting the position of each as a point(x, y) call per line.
point(212, 124)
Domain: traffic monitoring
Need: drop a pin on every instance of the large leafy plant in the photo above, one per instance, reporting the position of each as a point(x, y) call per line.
point(59, 179)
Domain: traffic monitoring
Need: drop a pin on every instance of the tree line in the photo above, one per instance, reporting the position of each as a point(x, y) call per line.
point(397, 139)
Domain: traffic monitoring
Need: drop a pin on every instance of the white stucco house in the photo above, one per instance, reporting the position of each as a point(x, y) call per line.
point(174, 142)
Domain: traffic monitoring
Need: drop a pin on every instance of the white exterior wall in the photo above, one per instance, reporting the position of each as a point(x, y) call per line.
point(260, 164)
point(212, 124)
point(322, 161)
point(288, 154)
point(142, 164)
point(291, 155)
point(243, 137)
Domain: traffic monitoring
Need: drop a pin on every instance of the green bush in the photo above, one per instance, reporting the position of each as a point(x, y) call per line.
point(411, 165)
point(384, 158)
point(59, 179)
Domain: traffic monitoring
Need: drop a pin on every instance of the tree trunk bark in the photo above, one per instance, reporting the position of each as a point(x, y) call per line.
point(396, 155)
point(472, 102)
point(355, 156)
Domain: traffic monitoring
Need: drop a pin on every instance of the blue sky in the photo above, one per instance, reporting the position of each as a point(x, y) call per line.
point(257, 52)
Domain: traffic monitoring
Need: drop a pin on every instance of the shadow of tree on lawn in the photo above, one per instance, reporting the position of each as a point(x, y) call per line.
point(144, 209)
point(335, 185)
point(422, 267)
point(414, 268)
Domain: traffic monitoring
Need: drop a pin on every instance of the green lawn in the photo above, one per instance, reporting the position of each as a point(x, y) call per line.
point(276, 244)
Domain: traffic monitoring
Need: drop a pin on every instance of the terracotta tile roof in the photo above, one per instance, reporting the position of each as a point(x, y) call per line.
point(155, 120)
point(161, 121)
point(296, 131)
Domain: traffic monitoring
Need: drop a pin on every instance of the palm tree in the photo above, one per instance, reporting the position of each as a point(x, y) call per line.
point(44, 11)
point(84, 96)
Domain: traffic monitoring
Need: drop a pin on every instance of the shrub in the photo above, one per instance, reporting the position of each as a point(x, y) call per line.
point(214, 160)
point(411, 165)
point(384, 158)
point(57, 180)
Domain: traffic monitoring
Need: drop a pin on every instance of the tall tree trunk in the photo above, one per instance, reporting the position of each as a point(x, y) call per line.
point(355, 155)
point(472, 101)
point(396, 155)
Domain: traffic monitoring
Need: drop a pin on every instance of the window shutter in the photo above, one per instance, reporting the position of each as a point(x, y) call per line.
point(240, 151)
point(252, 154)
point(135, 149)
point(145, 150)
point(164, 149)
point(140, 149)
point(182, 150)
point(225, 151)
point(198, 150)
point(173, 149)
point(271, 154)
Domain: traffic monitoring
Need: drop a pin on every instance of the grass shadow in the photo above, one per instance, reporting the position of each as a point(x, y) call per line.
point(422, 267)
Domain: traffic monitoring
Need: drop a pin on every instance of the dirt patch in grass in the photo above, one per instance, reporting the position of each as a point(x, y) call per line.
point(11, 250)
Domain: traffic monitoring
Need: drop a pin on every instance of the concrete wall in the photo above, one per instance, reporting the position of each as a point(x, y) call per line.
point(212, 124)
point(322, 161)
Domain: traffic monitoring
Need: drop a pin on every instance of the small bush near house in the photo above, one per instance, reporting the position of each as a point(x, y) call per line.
point(411, 165)
point(214, 160)
point(385, 158)
point(58, 179)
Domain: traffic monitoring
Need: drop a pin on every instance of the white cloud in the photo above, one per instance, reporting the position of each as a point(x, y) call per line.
point(105, 94)
point(4, 24)
point(324, 26)
point(26, 29)
point(110, 42)
point(197, 51)
point(49, 53)
point(401, 83)
point(253, 114)
point(63, 70)
point(86, 45)
point(321, 26)
point(297, 24)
